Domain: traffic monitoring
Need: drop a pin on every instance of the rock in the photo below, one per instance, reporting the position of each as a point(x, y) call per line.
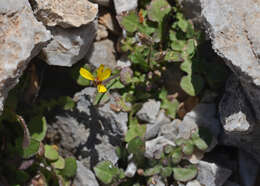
point(21, 39)
point(152, 129)
point(248, 169)
point(102, 2)
point(156, 146)
point(211, 174)
point(130, 170)
point(102, 53)
point(102, 32)
point(117, 119)
point(109, 22)
point(124, 5)
point(235, 112)
point(68, 45)
point(123, 62)
point(85, 132)
point(234, 29)
point(193, 183)
point(229, 183)
point(149, 111)
point(170, 130)
point(157, 181)
point(66, 13)
point(84, 176)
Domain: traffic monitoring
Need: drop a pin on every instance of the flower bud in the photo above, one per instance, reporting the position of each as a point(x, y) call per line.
point(126, 75)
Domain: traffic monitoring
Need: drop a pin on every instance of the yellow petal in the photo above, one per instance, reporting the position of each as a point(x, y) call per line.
point(100, 71)
point(105, 74)
point(86, 74)
point(101, 88)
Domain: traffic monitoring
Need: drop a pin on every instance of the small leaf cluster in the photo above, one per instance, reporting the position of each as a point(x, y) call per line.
point(171, 164)
point(25, 156)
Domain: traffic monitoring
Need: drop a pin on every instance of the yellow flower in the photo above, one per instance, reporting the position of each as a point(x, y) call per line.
point(102, 74)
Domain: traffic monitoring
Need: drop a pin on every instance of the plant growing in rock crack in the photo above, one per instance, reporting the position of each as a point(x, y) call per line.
point(169, 165)
point(25, 156)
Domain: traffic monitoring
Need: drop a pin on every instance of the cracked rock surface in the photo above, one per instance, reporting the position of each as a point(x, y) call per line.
point(21, 38)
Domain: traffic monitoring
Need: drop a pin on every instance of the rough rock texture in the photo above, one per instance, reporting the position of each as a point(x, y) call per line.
point(212, 175)
point(21, 38)
point(84, 176)
point(65, 13)
point(149, 111)
point(86, 132)
point(233, 26)
point(69, 45)
point(102, 52)
point(102, 32)
point(124, 5)
point(130, 170)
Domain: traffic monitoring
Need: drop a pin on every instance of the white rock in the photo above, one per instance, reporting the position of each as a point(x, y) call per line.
point(130, 170)
point(21, 38)
point(212, 175)
point(124, 5)
point(65, 13)
point(149, 111)
point(102, 53)
point(193, 183)
point(68, 45)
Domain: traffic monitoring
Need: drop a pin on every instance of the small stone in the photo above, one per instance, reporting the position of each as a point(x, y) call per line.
point(130, 170)
point(170, 130)
point(108, 21)
point(84, 176)
point(65, 13)
point(102, 32)
point(126, 75)
point(152, 129)
point(211, 174)
point(124, 5)
point(123, 62)
point(149, 111)
point(103, 52)
point(156, 146)
point(68, 45)
point(193, 183)
point(21, 38)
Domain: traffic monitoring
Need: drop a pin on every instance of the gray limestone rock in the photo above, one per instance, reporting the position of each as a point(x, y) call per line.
point(84, 176)
point(193, 183)
point(130, 170)
point(21, 39)
point(152, 129)
point(170, 130)
point(102, 52)
point(87, 132)
point(124, 5)
point(68, 45)
point(211, 174)
point(65, 13)
point(149, 111)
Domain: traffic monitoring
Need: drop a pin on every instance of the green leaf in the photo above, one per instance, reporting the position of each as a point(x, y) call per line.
point(50, 153)
point(173, 56)
point(188, 147)
point(176, 155)
point(200, 144)
point(70, 168)
point(185, 174)
point(158, 10)
point(166, 172)
point(183, 25)
point(59, 164)
point(135, 129)
point(153, 171)
point(178, 45)
point(186, 66)
point(190, 46)
point(136, 146)
point(66, 102)
point(37, 127)
point(130, 22)
point(32, 149)
point(192, 84)
point(170, 106)
point(106, 172)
